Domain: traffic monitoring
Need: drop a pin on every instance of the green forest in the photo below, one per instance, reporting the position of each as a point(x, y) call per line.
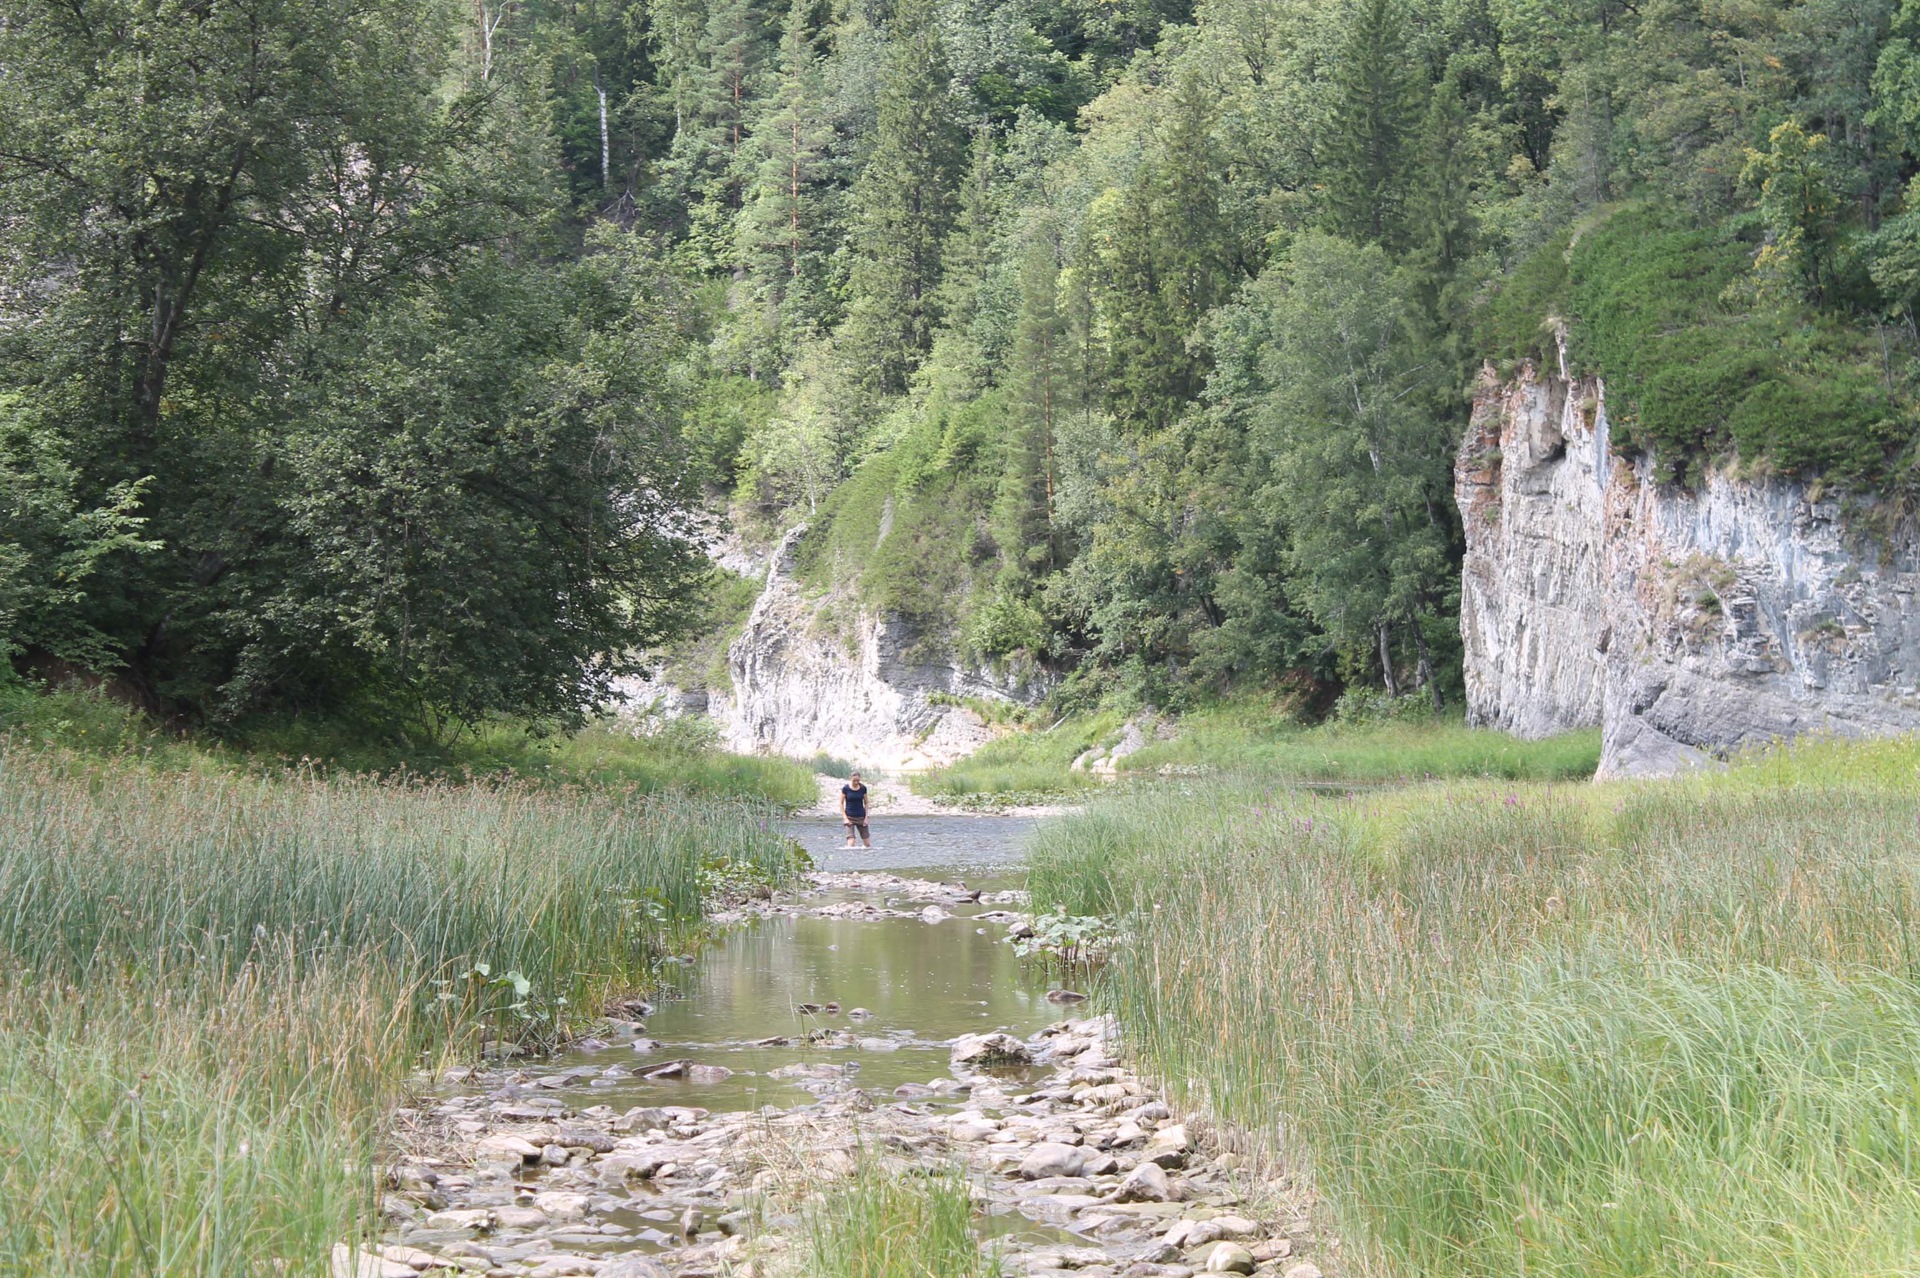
point(392, 359)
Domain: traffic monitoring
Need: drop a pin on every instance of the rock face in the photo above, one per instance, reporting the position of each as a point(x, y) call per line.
point(1685, 624)
point(812, 674)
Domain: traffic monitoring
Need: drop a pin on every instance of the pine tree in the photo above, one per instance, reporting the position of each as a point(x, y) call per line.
point(905, 199)
point(1377, 104)
point(784, 232)
point(1037, 382)
point(1169, 262)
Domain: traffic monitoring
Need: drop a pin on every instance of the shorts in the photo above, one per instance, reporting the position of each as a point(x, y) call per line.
point(858, 827)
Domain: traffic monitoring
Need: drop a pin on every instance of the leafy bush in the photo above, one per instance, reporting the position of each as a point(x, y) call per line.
point(1691, 376)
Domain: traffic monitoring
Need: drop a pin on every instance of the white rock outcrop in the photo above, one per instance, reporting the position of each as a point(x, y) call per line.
point(815, 674)
point(1686, 624)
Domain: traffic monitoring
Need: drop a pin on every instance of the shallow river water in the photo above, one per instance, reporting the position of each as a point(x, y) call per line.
point(819, 1032)
point(921, 984)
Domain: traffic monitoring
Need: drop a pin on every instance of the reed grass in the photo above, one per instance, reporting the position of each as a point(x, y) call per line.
point(1621, 1029)
point(212, 984)
point(884, 1223)
point(1243, 738)
point(684, 762)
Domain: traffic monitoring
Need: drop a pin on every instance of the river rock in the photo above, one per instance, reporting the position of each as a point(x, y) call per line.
point(1305, 1269)
point(562, 1204)
point(634, 1267)
point(1232, 1258)
point(1146, 1183)
point(1047, 1160)
point(1169, 1146)
point(990, 1049)
point(520, 1218)
point(503, 1147)
point(708, 1073)
point(349, 1263)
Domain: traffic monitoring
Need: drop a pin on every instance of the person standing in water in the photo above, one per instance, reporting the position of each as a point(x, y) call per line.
point(853, 810)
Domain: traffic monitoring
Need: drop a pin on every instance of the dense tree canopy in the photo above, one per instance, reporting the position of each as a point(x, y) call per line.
point(375, 353)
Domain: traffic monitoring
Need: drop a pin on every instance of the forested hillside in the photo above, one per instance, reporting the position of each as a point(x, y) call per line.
point(376, 352)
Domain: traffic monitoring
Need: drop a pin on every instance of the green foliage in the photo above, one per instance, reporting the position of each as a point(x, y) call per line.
point(1370, 739)
point(1071, 940)
point(1692, 376)
point(905, 203)
point(50, 546)
point(669, 760)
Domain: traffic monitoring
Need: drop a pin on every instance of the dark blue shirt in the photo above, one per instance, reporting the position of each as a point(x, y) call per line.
point(856, 801)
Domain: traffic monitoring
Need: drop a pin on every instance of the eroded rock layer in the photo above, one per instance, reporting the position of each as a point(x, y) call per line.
point(1686, 623)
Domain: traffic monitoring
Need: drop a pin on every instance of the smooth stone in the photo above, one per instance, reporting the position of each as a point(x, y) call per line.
point(1146, 1183)
point(1232, 1258)
point(520, 1218)
point(709, 1073)
point(634, 1267)
point(514, 1148)
point(1043, 1161)
point(349, 1263)
point(562, 1204)
point(1305, 1269)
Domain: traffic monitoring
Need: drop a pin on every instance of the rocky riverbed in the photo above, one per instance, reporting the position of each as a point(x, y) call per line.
point(1078, 1166)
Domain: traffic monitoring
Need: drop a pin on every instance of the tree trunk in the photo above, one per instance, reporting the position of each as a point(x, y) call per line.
point(1386, 660)
point(1426, 667)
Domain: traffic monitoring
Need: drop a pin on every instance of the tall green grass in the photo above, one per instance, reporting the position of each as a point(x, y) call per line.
point(1418, 748)
point(1628, 1029)
point(681, 759)
point(1256, 738)
point(895, 1224)
point(212, 984)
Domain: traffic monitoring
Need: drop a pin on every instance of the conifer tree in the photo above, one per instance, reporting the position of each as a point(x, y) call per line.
point(1377, 104)
point(905, 203)
point(1038, 393)
point(784, 232)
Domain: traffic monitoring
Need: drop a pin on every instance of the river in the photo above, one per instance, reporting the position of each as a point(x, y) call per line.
point(823, 1030)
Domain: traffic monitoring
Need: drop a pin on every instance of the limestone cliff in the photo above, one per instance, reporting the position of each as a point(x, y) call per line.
point(1686, 624)
point(813, 674)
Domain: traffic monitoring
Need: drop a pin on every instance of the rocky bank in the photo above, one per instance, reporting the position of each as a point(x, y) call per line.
point(1685, 624)
point(523, 1172)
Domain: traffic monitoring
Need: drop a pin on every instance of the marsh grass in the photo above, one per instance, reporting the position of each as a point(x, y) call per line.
point(87, 722)
point(881, 1223)
point(1534, 1029)
point(212, 984)
point(1260, 739)
point(1252, 738)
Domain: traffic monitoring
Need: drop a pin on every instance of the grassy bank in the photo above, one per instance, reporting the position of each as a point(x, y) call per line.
point(681, 759)
point(1259, 739)
point(1030, 764)
point(1629, 1029)
point(212, 984)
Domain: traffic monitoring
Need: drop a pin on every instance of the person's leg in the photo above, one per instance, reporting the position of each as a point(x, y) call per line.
point(866, 839)
point(849, 831)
